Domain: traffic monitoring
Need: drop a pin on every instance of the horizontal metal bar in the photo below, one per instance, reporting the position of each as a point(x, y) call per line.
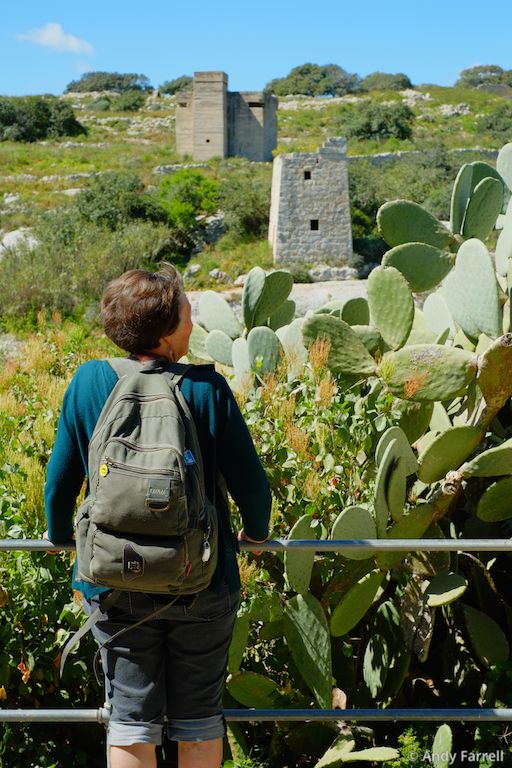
point(260, 715)
point(100, 715)
point(331, 545)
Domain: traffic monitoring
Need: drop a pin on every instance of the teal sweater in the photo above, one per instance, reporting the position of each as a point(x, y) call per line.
point(225, 442)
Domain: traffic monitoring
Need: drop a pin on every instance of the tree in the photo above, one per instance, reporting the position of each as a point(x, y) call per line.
point(315, 80)
point(183, 83)
point(33, 118)
point(109, 81)
point(113, 199)
point(498, 123)
point(486, 74)
point(380, 121)
point(382, 81)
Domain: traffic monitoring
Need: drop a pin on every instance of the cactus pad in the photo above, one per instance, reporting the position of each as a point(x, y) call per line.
point(471, 291)
point(504, 164)
point(354, 523)
point(307, 635)
point(283, 315)
point(375, 664)
point(447, 452)
point(492, 463)
point(219, 346)
point(387, 466)
point(422, 265)
point(484, 206)
point(400, 221)
point(495, 372)
point(391, 305)
point(355, 603)
point(494, 504)
point(253, 690)
point(414, 418)
point(356, 311)
point(215, 313)
point(437, 315)
point(445, 588)
point(504, 247)
point(197, 343)
point(402, 449)
point(276, 289)
point(412, 526)
point(347, 353)
point(241, 362)
point(298, 564)
point(264, 349)
point(486, 636)
point(427, 372)
point(370, 337)
point(460, 196)
point(442, 746)
point(251, 294)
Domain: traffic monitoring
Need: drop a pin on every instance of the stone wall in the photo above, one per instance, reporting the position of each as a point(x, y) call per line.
point(310, 210)
point(213, 122)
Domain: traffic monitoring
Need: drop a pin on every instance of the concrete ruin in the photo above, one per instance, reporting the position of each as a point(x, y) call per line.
point(310, 209)
point(214, 122)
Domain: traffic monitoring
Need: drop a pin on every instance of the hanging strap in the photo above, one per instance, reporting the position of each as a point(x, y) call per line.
point(95, 616)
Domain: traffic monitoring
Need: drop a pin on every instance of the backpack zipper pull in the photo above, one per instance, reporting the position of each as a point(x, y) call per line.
point(207, 552)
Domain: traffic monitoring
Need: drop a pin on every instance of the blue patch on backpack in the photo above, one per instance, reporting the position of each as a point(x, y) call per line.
point(189, 457)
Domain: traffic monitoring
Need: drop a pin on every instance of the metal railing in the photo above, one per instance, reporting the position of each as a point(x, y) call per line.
point(101, 715)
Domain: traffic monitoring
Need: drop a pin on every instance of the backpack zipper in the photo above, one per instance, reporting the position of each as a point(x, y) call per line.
point(129, 468)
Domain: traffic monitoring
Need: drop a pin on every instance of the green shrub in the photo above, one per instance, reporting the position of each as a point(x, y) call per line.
point(101, 104)
point(171, 87)
point(116, 198)
point(245, 202)
point(129, 101)
point(498, 122)
point(33, 118)
point(380, 121)
point(109, 81)
point(382, 81)
point(187, 194)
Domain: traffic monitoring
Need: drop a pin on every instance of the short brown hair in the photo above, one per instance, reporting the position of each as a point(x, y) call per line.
point(140, 307)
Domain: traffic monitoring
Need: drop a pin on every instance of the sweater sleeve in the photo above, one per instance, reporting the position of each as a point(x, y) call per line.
point(66, 471)
point(241, 467)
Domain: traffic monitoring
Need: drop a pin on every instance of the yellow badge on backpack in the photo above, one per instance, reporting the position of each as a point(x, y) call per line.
point(103, 470)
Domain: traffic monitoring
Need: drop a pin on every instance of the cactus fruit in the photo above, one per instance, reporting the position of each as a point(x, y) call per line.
point(402, 449)
point(437, 315)
point(276, 289)
point(299, 564)
point(504, 164)
point(197, 343)
point(494, 504)
point(307, 635)
point(487, 638)
point(427, 372)
point(447, 452)
point(422, 265)
point(251, 294)
point(494, 377)
point(442, 746)
point(253, 690)
point(347, 352)
point(354, 523)
point(215, 313)
point(355, 603)
point(400, 221)
point(264, 349)
point(391, 305)
point(445, 588)
point(471, 291)
point(219, 346)
point(492, 463)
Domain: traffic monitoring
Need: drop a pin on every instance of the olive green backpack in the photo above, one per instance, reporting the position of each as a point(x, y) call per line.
point(147, 524)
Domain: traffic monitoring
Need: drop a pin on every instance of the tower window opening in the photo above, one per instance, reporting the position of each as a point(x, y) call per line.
point(313, 225)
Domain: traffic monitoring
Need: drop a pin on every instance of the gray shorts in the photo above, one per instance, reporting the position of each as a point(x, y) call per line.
point(168, 671)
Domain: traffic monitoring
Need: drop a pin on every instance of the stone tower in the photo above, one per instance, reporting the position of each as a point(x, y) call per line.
point(310, 211)
point(214, 122)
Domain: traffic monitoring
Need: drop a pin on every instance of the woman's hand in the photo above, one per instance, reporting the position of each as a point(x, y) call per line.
point(242, 536)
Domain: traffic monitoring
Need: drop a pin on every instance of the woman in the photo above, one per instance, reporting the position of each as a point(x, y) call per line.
point(173, 665)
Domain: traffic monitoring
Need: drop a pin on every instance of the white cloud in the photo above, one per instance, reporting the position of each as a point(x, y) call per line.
point(53, 36)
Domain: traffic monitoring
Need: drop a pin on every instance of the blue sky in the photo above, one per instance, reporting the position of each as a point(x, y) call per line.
point(44, 44)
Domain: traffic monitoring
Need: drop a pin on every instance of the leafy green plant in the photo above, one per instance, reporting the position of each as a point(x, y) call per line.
point(380, 121)
point(33, 118)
